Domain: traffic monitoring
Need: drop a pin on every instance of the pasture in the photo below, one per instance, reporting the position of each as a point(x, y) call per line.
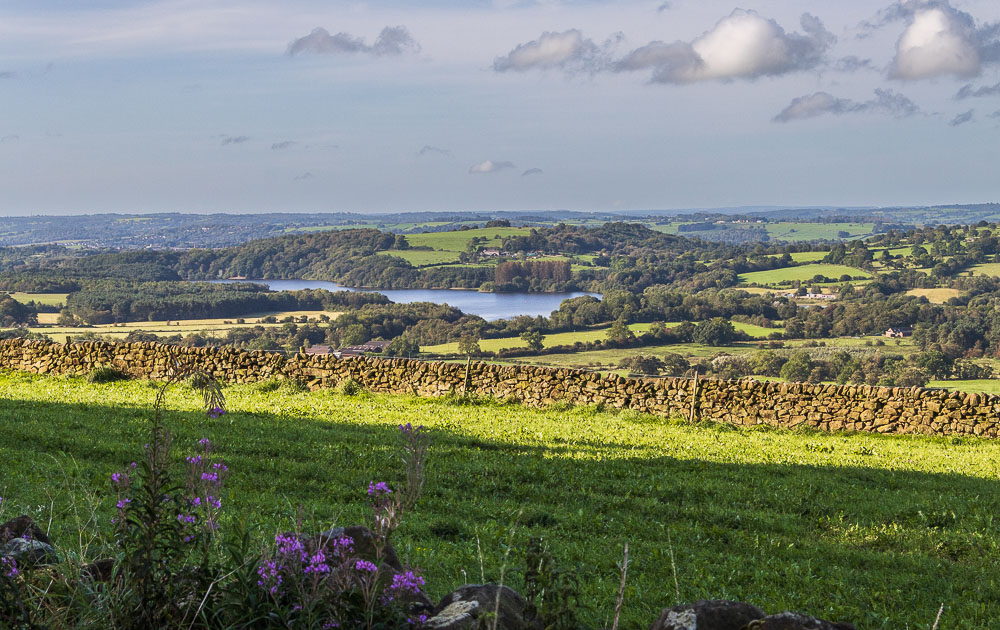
point(801, 273)
point(876, 530)
point(935, 296)
point(216, 326)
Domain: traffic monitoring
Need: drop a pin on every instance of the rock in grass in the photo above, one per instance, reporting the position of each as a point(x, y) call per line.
point(796, 621)
point(464, 607)
point(22, 527)
point(712, 614)
point(29, 553)
point(363, 548)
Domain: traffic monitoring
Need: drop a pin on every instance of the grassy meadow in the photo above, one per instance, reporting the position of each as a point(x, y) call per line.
point(802, 273)
point(217, 326)
point(876, 530)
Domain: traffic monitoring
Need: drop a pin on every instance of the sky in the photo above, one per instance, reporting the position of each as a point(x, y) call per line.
point(445, 105)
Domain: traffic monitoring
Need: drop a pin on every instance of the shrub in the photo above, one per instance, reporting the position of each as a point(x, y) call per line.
point(349, 387)
point(106, 374)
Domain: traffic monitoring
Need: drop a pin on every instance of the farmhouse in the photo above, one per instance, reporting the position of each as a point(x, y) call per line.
point(904, 331)
point(493, 253)
point(371, 346)
point(318, 349)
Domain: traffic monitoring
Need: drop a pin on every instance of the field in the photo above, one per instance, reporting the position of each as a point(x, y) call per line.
point(50, 299)
point(457, 241)
point(569, 338)
point(876, 530)
point(802, 273)
point(218, 326)
point(556, 339)
point(935, 296)
point(986, 269)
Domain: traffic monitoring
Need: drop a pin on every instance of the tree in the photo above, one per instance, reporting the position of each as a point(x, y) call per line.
point(766, 362)
point(469, 345)
point(715, 332)
point(533, 339)
point(402, 347)
point(798, 367)
point(912, 377)
point(674, 364)
point(642, 364)
point(619, 332)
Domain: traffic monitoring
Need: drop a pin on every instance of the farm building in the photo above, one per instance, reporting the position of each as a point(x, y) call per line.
point(905, 331)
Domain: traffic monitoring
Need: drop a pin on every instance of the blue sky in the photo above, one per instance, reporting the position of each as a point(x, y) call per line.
point(302, 105)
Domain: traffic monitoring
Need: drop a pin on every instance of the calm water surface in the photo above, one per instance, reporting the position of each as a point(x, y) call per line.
point(487, 305)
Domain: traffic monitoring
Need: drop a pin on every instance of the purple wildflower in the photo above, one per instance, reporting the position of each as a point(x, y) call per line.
point(8, 567)
point(186, 518)
point(364, 565)
point(406, 582)
point(215, 412)
point(378, 488)
point(317, 563)
point(121, 504)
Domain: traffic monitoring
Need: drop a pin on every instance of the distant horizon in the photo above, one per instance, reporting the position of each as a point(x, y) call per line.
point(619, 212)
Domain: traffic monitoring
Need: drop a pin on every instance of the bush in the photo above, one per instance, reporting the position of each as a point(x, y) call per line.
point(350, 387)
point(106, 374)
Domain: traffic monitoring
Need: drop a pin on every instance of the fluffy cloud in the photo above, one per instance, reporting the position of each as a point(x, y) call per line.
point(568, 51)
point(489, 166)
point(968, 91)
point(234, 140)
point(962, 118)
point(392, 41)
point(820, 103)
point(938, 40)
point(742, 45)
point(532, 171)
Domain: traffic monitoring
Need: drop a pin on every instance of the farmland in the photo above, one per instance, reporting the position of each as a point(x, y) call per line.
point(801, 273)
point(736, 508)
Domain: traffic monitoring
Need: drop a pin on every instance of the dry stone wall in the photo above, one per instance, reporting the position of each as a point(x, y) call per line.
point(826, 407)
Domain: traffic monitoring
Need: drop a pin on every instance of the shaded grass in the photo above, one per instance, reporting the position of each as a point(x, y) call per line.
point(878, 530)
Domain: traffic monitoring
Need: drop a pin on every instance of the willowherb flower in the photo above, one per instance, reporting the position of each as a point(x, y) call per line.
point(187, 519)
point(8, 567)
point(122, 503)
point(405, 582)
point(288, 545)
point(317, 563)
point(380, 488)
point(215, 412)
point(364, 565)
point(417, 621)
point(270, 576)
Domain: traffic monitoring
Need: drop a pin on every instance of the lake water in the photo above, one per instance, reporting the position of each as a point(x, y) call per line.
point(489, 306)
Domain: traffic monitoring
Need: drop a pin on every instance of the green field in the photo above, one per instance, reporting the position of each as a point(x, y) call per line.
point(798, 231)
point(583, 336)
point(986, 269)
point(556, 339)
point(802, 273)
point(50, 299)
point(425, 257)
point(457, 241)
point(875, 530)
point(985, 386)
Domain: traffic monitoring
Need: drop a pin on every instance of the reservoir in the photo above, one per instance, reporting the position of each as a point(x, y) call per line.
point(489, 306)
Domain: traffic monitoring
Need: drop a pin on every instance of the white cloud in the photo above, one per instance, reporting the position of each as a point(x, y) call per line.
point(741, 45)
point(568, 51)
point(489, 166)
point(938, 41)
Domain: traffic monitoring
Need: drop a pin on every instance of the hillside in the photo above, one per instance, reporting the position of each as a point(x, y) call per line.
point(872, 529)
